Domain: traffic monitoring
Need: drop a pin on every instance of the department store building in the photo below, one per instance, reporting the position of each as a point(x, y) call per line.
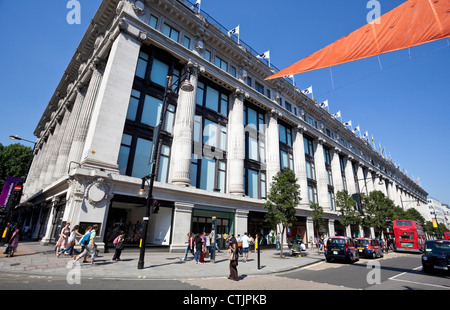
point(221, 143)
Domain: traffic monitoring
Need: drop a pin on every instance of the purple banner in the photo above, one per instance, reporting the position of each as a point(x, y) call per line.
point(7, 189)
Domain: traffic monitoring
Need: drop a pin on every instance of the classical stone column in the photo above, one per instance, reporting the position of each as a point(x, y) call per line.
point(272, 147)
point(55, 151)
point(104, 136)
point(369, 181)
point(180, 162)
point(46, 154)
point(349, 176)
point(298, 149)
point(236, 144)
point(84, 118)
point(322, 177)
point(336, 171)
point(62, 163)
point(48, 233)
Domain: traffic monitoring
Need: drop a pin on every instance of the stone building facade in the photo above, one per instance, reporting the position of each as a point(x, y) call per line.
point(221, 143)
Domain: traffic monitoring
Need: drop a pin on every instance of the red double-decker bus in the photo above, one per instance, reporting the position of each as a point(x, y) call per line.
point(447, 235)
point(409, 236)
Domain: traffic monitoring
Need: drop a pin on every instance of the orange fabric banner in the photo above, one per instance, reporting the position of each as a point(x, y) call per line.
point(412, 23)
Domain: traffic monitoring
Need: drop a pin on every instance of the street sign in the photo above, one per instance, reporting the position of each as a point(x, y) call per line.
point(17, 188)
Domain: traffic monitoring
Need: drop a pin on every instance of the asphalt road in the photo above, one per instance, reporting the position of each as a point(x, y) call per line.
point(401, 272)
point(395, 272)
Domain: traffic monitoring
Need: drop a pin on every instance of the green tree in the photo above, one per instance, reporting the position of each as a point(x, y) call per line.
point(346, 204)
point(379, 211)
point(317, 217)
point(283, 198)
point(14, 160)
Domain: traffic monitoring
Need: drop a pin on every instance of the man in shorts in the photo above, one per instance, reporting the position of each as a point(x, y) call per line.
point(245, 245)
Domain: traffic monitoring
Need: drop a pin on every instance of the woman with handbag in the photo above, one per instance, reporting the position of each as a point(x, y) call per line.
point(118, 245)
point(233, 257)
point(72, 241)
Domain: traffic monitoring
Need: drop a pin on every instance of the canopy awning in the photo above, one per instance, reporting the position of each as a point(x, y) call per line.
point(412, 23)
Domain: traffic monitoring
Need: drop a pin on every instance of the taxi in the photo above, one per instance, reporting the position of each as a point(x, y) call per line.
point(368, 247)
point(341, 248)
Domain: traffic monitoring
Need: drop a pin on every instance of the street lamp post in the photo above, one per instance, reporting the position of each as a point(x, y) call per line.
point(186, 86)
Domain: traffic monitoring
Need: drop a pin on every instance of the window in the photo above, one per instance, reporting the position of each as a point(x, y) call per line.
point(222, 64)
point(143, 115)
point(187, 42)
point(124, 153)
point(259, 88)
point(287, 160)
point(164, 164)
point(255, 183)
point(331, 200)
point(310, 170)
point(254, 134)
point(312, 121)
point(233, 71)
point(153, 22)
point(207, 55)
point(212, 99)
point(285, 134)
point(249, 81)
point(160, 71)
point(208, 163)
point(142, 65)
point(171, 32)
point(309, 146)
point(288, 107)
point(312, 194)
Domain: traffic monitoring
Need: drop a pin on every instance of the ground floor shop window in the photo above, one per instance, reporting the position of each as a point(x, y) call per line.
point(202, 222)
point(126, 215)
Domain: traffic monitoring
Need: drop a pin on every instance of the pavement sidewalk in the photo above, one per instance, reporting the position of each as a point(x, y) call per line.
point(36, 259)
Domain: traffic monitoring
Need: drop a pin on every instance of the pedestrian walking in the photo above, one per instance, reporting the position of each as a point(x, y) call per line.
point(233, 249)
point(278, 242)
point(190, 246)
point(198, 248)
point(7, 236)
point(72, 241)
point(245, 247)
point(84, 242)
point(63, 240)
point(14, 241)
point(118, 245)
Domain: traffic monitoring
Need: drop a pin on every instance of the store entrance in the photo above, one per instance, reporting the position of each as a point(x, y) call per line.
point(202, 222)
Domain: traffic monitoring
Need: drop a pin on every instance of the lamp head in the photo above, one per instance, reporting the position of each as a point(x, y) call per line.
point(186, 85)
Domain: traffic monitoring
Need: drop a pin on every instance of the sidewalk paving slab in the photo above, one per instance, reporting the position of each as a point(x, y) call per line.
point(36, 259)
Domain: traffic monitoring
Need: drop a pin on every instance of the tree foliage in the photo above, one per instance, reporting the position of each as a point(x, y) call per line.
point(283, 198)
point(346, 205)
point(317, 216)
point(379, 210)
point(14, 160)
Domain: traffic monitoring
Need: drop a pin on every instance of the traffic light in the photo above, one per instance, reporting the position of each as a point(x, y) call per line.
point(155, 207)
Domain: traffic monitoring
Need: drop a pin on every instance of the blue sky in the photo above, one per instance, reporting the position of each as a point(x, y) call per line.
point(404, 103)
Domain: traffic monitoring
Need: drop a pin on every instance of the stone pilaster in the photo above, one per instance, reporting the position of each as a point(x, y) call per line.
point(101, 149)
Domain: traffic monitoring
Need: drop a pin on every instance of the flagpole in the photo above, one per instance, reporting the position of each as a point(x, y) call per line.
point(239, 33)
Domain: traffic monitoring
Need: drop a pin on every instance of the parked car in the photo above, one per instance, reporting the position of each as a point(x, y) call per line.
point(369, 247)
point(341, 248)
point(436, 256)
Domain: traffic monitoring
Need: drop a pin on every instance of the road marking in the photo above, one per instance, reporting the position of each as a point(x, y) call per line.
point(414, 282)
